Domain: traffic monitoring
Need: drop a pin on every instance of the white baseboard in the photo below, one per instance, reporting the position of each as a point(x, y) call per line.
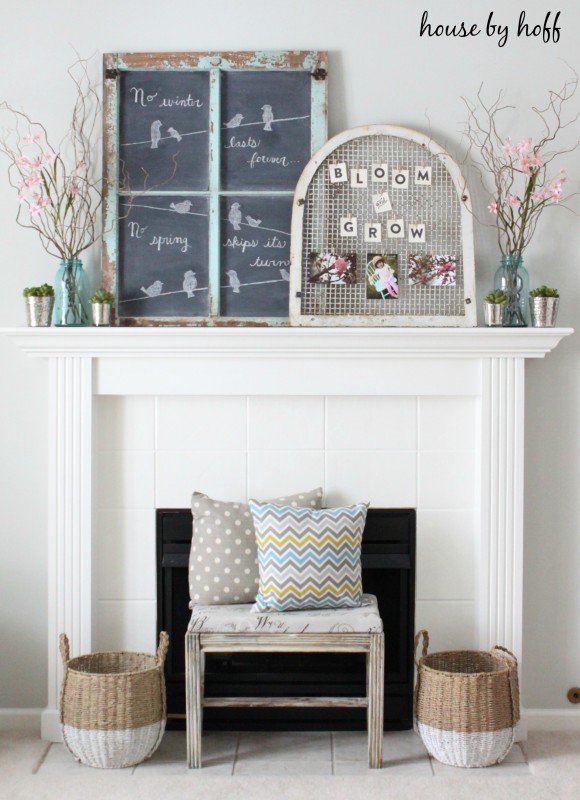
point(20, 719)
point(552, 719)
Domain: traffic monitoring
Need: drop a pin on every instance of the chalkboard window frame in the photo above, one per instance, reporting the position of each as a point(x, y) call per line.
point(216, 64)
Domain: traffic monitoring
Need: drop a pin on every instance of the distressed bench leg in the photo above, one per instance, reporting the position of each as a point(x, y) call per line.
point(375, 695)
point(193, 698)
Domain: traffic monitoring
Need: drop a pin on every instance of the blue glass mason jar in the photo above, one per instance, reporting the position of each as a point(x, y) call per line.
point(513, 279)
point(71, 294)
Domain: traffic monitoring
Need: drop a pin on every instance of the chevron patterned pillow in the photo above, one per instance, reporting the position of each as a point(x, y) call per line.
point(308, 558)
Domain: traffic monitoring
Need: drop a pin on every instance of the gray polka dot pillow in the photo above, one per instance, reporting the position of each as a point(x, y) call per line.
point(223, 561)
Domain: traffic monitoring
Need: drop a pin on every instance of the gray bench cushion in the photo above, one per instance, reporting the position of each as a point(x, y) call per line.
point(241, 619)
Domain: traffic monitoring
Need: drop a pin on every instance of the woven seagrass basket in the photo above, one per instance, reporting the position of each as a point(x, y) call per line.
point(467, 704)
point(113, 705)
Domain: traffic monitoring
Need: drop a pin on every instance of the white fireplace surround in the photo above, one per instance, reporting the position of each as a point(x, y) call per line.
point(486, 365)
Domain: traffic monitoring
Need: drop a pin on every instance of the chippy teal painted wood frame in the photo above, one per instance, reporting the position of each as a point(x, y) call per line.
point(315, 62)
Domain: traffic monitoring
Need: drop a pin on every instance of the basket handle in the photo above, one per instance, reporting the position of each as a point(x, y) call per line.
point(502, 652)
point(64, 648)
point(163, 648)
point(512, 664)
point(425, 635)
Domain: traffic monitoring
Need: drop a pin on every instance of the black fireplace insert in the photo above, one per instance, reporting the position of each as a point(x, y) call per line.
point(388, 571)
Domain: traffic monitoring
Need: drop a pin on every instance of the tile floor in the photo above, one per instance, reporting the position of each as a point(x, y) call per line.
point(291, 766)
point(267, 754)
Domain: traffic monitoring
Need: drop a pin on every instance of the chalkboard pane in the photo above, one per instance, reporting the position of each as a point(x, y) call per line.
point(255, 256)
point(266, 139)
point(164, 124)
point(163, 257)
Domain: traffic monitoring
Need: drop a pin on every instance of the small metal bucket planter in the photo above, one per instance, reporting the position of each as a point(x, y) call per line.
point(494, 314)
point(39, 311)
point(544, 311)
point(101, 314)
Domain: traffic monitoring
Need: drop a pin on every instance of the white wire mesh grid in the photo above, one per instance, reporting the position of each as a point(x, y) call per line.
point(437, 206)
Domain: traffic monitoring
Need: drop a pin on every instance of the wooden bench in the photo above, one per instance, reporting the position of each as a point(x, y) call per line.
point(232, 629)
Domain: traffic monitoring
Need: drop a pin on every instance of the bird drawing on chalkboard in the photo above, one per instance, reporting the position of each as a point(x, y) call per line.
point(235, 216)
point(234, 280)
point(267, 117)
point(189, 282)
point(235, 121)
point(254, 223)
point(175, 134)
point(285, 274)
point(181, 208)
point(153, 290)
point(155, 133)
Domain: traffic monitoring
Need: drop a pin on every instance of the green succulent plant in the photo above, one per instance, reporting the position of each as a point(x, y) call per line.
point(102, 296)
point(544, 291)
point(39, 291)
point(497, 297)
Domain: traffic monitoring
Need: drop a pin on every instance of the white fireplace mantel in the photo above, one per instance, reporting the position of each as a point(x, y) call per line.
point(87, 362)
point(396, 342)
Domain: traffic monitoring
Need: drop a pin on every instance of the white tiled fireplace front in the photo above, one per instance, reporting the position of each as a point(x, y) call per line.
point(395, 451)
point(427, 418)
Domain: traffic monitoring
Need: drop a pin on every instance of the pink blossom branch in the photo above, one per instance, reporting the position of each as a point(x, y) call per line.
point(59, 191)
point(523, 188)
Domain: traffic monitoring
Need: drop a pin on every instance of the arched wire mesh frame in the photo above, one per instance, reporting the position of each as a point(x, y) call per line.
point(444, 207)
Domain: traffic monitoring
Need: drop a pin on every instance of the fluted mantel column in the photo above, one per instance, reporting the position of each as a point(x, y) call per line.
point(69, 518)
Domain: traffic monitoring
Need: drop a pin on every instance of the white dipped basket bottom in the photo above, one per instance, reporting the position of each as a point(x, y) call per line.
point(113, 705)
point(467, 704)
